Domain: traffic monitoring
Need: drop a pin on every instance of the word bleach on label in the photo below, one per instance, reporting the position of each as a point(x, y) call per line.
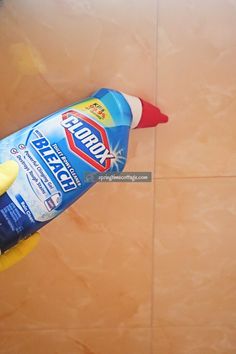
point(55, 153)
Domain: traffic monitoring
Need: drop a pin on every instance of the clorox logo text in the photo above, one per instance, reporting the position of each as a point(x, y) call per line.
point(87, 139)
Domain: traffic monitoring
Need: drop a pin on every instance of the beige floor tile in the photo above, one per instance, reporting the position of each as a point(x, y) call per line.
point(66, 50)
point(124, 341)
point(93, 265)
point(194, 340)
point(197, 88)
point(195, 265)
point(92, 268)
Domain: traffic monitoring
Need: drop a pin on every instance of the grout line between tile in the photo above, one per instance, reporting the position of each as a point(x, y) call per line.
point(233, 327)
point(154, 184)
point(192, 177)
point(76, 329)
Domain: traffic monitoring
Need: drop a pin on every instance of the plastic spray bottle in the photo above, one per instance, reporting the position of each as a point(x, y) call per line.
point(57, 155)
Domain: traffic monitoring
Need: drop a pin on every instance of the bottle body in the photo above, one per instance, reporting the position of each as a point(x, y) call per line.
point(55, 156)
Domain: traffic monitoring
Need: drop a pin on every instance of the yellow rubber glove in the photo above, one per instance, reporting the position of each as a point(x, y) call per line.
point(8, 173)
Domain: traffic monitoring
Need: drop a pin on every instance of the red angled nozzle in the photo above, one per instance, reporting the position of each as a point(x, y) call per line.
point(151, 116)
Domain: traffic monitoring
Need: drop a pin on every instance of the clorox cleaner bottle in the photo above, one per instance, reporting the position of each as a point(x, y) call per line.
point(56, 153)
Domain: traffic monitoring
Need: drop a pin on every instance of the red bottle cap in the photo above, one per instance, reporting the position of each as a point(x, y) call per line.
point(151, 115)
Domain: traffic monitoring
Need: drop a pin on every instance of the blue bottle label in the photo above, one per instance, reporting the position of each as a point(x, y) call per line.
point(54, 155)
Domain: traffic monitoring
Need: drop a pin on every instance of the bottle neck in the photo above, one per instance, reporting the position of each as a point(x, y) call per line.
point(136, 109)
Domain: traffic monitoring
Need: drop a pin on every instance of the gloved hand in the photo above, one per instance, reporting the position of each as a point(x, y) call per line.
point(8, 174)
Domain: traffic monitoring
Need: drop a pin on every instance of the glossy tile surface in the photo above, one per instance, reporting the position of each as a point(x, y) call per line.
point(77, 342)
point(130, 268)
point(195, 252)
point(68, 49)
point(194, 340)
point(92, 268)
point(197, 88)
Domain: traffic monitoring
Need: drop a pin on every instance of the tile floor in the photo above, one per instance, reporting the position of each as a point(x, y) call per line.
point(155, 271)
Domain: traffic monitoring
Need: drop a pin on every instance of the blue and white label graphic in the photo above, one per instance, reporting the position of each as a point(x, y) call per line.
point(54, 155)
